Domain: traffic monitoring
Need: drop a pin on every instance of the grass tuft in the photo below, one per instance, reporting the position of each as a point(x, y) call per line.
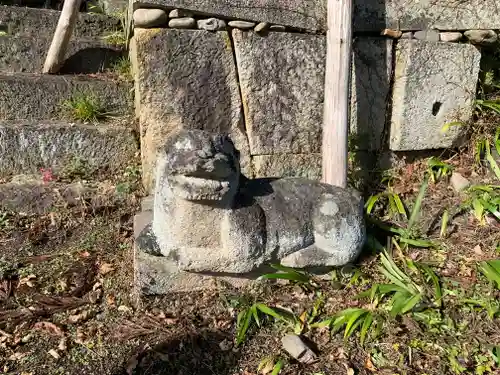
point(85, 107)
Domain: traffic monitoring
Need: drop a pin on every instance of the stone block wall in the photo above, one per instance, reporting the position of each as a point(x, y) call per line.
point(255, 69)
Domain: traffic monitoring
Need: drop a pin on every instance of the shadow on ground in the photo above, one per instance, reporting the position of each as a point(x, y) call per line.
point(188, 354)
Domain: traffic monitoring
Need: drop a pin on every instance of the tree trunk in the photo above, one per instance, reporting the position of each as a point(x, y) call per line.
point(62, 35)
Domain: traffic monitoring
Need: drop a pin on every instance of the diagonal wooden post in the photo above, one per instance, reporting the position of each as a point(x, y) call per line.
point(337, 83)
point(65, 25)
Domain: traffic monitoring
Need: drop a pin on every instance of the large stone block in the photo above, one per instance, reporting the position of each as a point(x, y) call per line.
point(42, 22)
point(371, 15)
point(40, 96)
point(434, 84)
point(185, 79)
point(286, 165)
point(303, 14)
point(281, 81)
point(282, 86)
point(26, 147)
point(27, 54)
point(370, 91)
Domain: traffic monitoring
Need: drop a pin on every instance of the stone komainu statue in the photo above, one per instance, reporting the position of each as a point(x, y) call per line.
point(210, 218)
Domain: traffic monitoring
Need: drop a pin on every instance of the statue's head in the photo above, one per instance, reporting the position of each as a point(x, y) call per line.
point(201, 166)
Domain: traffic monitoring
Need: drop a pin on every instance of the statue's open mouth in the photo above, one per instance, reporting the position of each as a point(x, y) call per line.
point(199, 188)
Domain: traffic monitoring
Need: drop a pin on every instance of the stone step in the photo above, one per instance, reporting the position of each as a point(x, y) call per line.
point(39, 198)
point(27, 96)
point(42, 23)
point(25, 147)
point(27, 54)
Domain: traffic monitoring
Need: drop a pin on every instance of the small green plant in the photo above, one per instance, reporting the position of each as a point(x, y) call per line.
point(85, 107)
point(484, 149)
point(438, 169)
point(492, 308)
point(270, 365)
point(388, 198)
point(256, 312)
point(483, 200)
point(4, 220)
point(491, 269)
point(130, 180)
point(299, 277)
point(123, 68)
point(407, 234)
point(353, 319)
point(119, 37)
point(405, 293)
point(76, 168)
point(488, 105)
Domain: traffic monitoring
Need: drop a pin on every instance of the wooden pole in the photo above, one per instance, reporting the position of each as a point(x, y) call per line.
point(337, 83)
point(65, 25)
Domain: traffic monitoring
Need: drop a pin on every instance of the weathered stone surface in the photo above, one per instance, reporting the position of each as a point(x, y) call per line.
point(407, 35)
point(287, 165)
point(485, 37)
point(395, 34)
point(371, 15)
point(298, 349)
point(150, 18)
point(179, 13)
point(211, 24)
point(290, 68)
point(459, 182)
point(39, 198)
point(27, 147)
point(434, 84)
point(244, 225)
point(452, 36)
point(182, 23)
point(243, 25)
point(370, 91)
point(429, 35)
point(27, 54)
point(39, 22)
point(185, 79)
point(262, 27)
point(40, 97)
point(277, 28)
point(154, 275)
point(296, 13)
point(114, 6)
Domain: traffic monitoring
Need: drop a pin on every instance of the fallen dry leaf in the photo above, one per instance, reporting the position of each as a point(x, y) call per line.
point(369, 365)
point(124, 308)
point(110, 299)
point(477, 250)
point(63, 344)
point(54, 354)
point(49, 328)
point(85, 254)
point(80, 336)
point(17, 356)
point(106, 268)
point(27, 280)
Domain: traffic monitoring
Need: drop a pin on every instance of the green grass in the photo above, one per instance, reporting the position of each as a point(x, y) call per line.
point(123, 68)
point(86, 107)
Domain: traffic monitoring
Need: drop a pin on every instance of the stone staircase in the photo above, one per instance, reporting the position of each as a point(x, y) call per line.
point(36, 131)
